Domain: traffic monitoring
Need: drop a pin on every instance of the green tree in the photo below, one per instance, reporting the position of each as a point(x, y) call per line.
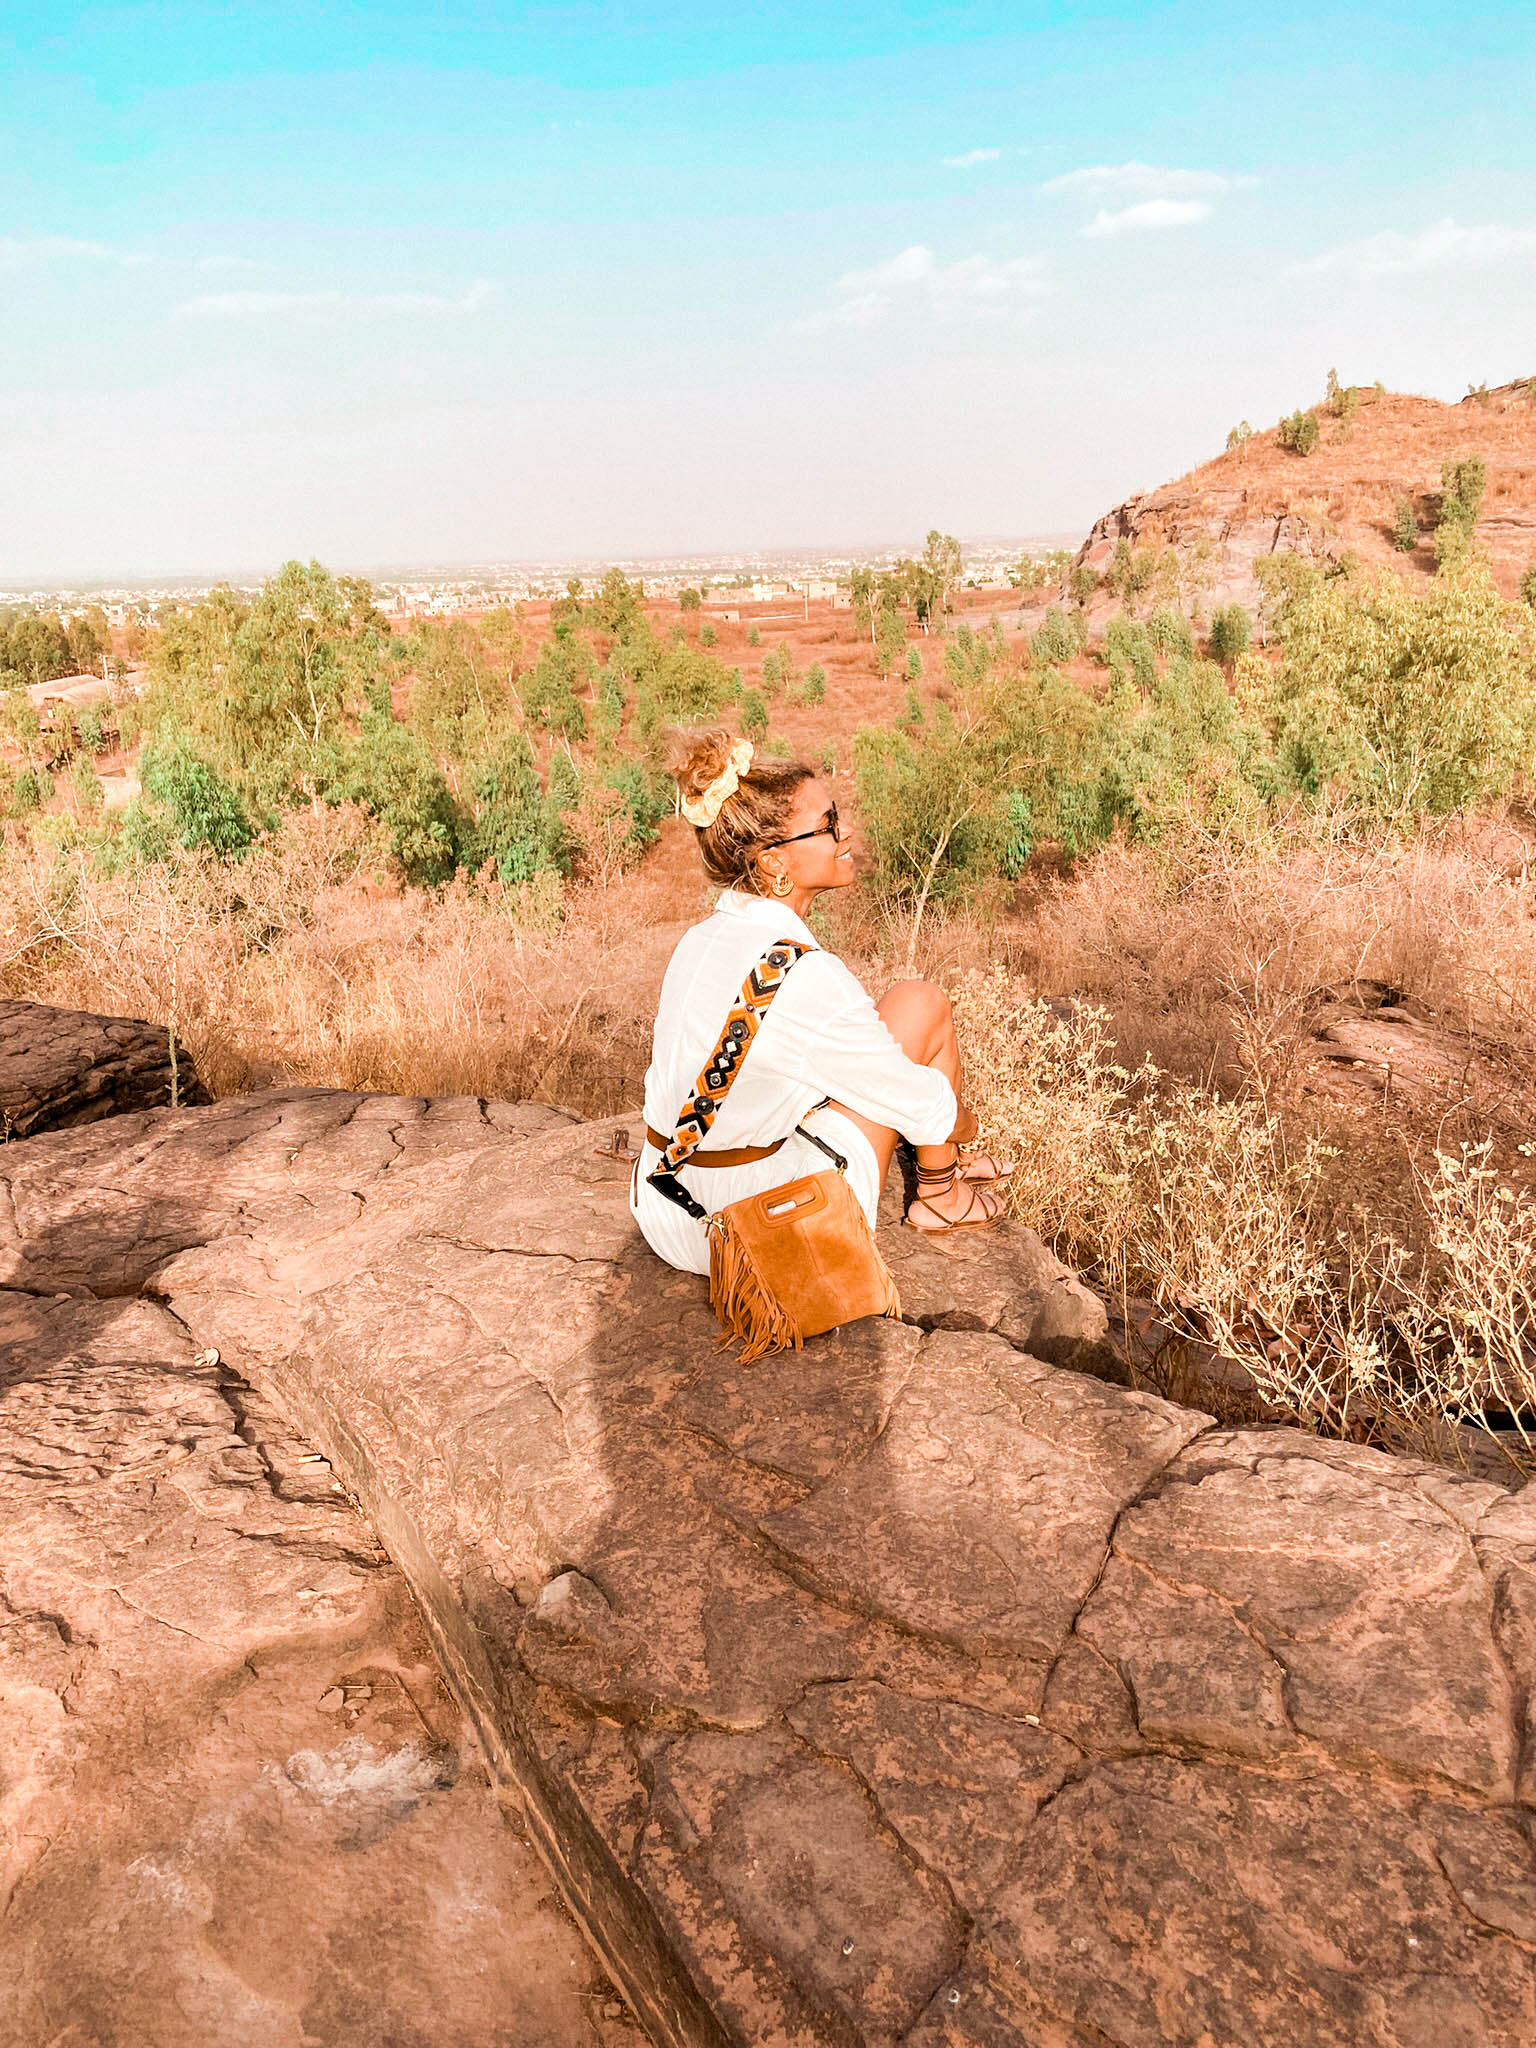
point(861, 585)
point(1528, 585)
point(89, 641)
point(30, 792)
point(1298, 432)
point(94, 725)
point(914, 666)
point(1417, 700)
point(458, 701)
point(1018, 835)
point(754, 715)
point(1230, 631)
point(931, 579)
point(20, 720)
point(1462, 483)
point(1405, 527)
point(1342, 400)
point(1082, 584)
point(707, 634)
point(86, 785)
point(689, 600)
point(37, 646)
point(564, 781)
point(549, 691)
point(1129, 653)
point(514, 828)
point(204, 810)
point(1053, 639)
point(778, 664)
point(1169, 632)
point(754, 637)
point(815, 684)
point(619, 605)
point(647, 798)
point(892, 639)
point(1240, 433)
point(931, 808)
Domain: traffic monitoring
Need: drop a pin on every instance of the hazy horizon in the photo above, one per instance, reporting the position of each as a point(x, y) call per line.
point(518, 284)
point(467, 566)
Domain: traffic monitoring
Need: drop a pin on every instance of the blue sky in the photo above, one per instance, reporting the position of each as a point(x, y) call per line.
point(466, 282)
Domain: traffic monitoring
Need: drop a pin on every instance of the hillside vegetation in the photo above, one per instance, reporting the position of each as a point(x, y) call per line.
point(1243, 935)
point(1363, 477)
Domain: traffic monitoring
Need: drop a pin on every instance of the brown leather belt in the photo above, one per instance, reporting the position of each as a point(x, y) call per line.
point(744, 1155)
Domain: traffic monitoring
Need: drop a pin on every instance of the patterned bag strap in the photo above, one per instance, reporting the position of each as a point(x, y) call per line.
point(720, 1070)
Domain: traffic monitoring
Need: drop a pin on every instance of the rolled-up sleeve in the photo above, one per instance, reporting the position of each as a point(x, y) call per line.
point(842, 1049)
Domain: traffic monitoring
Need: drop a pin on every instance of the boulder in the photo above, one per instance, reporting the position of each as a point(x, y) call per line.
point(908, 1689)
point(236, 1802)
point(62, 1067)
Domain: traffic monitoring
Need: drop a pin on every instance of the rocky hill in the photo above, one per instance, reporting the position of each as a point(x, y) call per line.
point(1260, 497)
point(920, 1688)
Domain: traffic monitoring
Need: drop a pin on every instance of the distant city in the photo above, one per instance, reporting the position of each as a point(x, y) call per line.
point(414, 591)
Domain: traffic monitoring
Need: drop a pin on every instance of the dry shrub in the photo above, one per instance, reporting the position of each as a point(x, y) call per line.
point(1166, 1190)
point(1211, 955)
point(293, 966)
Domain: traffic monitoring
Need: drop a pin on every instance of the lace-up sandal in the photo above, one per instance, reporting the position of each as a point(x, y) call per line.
point(980, 1213)
point(978, 1164)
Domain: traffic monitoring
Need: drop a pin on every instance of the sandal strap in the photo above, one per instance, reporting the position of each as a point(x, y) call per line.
point(977, 1194)
point(941, 1176)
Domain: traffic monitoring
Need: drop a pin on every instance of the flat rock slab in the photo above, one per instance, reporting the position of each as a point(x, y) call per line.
point(909, 1689)
point(236, 1803)
point(63, 1067)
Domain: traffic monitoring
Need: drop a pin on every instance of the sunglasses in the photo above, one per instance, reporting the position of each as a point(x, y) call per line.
point(828, 824)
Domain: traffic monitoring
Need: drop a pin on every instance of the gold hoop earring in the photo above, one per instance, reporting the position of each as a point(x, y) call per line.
point(783, 886)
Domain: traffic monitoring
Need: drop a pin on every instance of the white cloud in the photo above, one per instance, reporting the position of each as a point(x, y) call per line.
point(242, 305)
point(1442, 246)
point(1149, 215)
point(1137, 181)
point(17, 251)
point(916, 282)
point(230, 263)
point(971, 157)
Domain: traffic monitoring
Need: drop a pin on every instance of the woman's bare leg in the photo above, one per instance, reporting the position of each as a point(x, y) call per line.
point(918, 1016)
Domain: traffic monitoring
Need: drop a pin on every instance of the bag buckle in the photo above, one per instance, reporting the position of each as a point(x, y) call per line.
point(821, 1144)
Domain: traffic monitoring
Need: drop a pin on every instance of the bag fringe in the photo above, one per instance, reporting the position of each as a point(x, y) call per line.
point(742, 1300)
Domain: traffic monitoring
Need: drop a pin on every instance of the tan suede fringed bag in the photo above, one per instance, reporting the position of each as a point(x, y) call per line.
point(795, 1260)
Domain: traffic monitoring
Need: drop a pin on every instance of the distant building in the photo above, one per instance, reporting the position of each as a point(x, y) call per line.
point(69, 690)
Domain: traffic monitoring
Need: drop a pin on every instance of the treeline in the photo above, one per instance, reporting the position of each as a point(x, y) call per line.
point(1387, 701)
point(475, 750)
point(471, 750)
point(35, 647)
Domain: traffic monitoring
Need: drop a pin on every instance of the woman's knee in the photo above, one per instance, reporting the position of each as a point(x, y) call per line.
point(915, 1008)
point(923, 998)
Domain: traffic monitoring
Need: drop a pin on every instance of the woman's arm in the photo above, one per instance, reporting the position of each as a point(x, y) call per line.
point(835, 1036)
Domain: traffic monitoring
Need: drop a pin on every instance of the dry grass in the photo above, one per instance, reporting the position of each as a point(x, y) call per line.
point(294, 966)
point(1206, 1205)
point(1213, 959)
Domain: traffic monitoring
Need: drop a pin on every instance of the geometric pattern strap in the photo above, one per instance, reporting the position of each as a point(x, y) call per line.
point(723, 1064)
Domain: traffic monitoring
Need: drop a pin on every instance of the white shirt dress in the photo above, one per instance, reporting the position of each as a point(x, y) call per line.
point(822, 1036)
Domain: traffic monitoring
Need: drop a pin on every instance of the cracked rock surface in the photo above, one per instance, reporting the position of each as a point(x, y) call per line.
point(236, 1802)
point(915, 1689)
point(62, 1067)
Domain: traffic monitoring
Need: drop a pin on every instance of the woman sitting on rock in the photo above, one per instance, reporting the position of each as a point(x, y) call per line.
point(769, 833)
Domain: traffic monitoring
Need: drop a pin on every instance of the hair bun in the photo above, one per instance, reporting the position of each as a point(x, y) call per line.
point(701, 758)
